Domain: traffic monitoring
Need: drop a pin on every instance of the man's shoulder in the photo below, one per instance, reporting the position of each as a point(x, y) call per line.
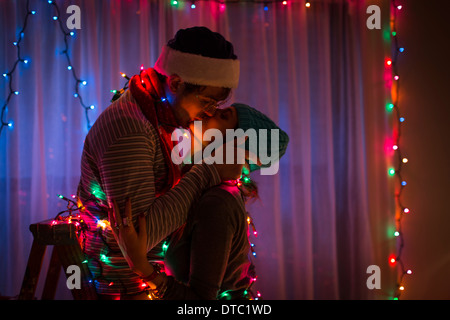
point(122, 118)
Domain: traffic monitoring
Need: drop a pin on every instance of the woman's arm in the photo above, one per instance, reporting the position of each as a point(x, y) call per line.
point(132, 244)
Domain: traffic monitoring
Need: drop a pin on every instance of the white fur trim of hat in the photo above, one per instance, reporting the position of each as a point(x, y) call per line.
point(197, 69)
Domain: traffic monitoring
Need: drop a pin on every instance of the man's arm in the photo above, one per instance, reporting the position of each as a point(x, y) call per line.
point(127, 171)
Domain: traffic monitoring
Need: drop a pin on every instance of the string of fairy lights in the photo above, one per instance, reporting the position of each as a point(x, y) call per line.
point(70, 67)
point(223, 3)
point(400, 160)
point(9, 75)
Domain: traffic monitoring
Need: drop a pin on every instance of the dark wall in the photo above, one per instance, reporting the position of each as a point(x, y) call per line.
point(423, 29)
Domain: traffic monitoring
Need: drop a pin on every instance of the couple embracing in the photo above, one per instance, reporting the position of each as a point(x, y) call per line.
point(191, 218)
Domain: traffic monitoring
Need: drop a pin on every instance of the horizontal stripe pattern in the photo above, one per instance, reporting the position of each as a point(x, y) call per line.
point(122, 158)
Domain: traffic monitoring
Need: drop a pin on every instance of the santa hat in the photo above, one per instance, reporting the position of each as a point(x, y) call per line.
point(197, 69)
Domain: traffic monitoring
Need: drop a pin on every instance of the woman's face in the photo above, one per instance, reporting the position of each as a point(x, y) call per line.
point(222, 120)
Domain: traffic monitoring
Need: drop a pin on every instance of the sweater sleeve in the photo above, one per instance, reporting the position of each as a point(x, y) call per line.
point(212, 239)
point(127, 171)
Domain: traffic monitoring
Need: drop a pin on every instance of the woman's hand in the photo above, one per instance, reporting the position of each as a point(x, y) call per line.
point(132, 244)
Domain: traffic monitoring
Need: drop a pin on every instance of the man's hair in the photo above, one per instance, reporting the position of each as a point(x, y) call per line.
point(204, 42)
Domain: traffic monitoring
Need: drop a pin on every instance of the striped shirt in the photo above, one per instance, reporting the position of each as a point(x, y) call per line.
point(122, 158)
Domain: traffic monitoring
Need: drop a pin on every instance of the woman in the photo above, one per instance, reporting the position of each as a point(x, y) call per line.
point(207, 257)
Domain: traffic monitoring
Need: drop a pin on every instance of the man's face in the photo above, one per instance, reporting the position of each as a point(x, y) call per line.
point(194, 105)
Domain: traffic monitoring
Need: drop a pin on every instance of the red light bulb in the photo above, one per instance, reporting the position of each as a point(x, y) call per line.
point(392, 259)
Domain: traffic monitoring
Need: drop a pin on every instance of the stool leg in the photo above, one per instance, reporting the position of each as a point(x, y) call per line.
point(32, 271)
point(51, 281)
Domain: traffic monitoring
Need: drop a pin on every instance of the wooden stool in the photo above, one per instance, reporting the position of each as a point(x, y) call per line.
point(66, 251)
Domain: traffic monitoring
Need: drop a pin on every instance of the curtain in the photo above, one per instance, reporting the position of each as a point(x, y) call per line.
point(317, 72)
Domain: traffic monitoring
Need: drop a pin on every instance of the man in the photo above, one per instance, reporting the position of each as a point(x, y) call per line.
point(127, 151)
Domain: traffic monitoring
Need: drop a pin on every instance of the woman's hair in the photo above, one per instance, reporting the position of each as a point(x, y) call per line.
point(249, 190)
point(247, 186)
point(204, 42)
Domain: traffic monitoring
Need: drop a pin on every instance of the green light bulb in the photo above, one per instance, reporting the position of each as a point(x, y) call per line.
point(164, 248)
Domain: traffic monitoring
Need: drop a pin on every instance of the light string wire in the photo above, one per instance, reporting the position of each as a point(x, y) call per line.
point(87, 108)
point(223, 3)
point(70, 67)
point(9, 74)
point(400, 160)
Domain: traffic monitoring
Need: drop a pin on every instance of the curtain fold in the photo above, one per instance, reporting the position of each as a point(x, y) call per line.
point(321, 220)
